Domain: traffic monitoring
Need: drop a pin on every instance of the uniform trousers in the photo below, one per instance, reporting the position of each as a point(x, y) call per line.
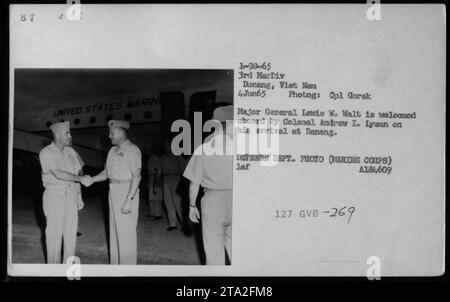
point(61, 213)
point(154, 200)
point(122, 227)
point(172, 199)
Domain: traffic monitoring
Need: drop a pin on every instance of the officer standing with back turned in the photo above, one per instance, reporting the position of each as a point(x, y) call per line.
point(214, 173)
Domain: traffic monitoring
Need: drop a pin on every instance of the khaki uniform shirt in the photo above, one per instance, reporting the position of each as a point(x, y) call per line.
point(211, 171)
point(122, 162)
point(154, 163)
point(172, 164)
point(67, 160)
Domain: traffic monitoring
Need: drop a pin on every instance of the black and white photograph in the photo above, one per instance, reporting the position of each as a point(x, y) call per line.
point(95, 175)
point(226, 140)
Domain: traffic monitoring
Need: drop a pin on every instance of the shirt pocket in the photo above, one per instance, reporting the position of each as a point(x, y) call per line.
point(120, 159)
point(121, 165)
point(73, 163)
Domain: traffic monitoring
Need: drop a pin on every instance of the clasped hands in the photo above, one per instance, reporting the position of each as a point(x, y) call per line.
point(86, 180)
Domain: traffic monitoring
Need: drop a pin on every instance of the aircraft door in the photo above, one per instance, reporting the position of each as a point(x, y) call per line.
point(172, 109)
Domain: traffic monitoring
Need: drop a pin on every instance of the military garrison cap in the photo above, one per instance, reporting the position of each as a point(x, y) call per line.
point(60, 127)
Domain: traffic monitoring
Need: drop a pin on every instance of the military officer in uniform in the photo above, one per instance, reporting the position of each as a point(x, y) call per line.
point(172, 168)
point(214, 174)
point(61, 174)
point(123, 169)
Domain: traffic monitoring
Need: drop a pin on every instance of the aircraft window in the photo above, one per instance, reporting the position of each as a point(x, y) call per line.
point(127, 116)
point(92, 120)
point(109, 117)
point(148, 114)
point(76, 121)
point(49, 124)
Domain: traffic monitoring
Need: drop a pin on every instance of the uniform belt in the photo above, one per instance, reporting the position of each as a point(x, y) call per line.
point(118, 181)
point(58, 186)
point(171, 174)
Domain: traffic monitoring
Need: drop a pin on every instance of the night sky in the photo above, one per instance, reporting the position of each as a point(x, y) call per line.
point(35, 89)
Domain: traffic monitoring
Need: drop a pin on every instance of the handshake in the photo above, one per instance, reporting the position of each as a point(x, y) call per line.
point(86, 180)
